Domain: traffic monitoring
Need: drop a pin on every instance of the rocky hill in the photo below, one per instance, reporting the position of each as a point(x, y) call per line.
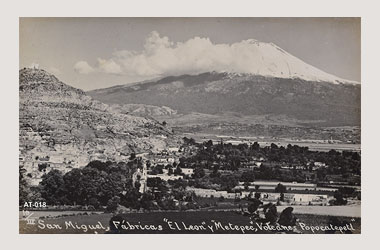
point(143, 110)
point(63, 128)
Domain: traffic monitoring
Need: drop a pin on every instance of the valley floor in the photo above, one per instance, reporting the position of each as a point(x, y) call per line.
point(314, 145)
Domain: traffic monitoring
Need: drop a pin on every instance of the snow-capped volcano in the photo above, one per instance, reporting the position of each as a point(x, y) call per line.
point(245, 78)
point(267, 59)
point(162, 57)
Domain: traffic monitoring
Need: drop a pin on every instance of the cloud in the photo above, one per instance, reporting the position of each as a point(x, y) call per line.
point(160, 56)
point(82, 67)
point(109, 66)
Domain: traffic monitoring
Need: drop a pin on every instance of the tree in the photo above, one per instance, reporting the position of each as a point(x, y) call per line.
point(280, 188)
point(178, 184)
point(199, 172)
point(215, 172)
point(247, 176)
point(137, 185)
point(113, 203)
point(282, 196)
point(159, 188)
point(154, 182)
point(255, 146)
point(158, 169)
point(347, 191)
point(170, 171)
point(339, 198)
point(110, 185)
point(257, 195)
point(131, 198)
point(321, 174)
point(99, 165)
point(228, 182)
point(23, 186)
point(273, 146)
point(178, 170)
point(209, 143)
point(132, 156)
point(167, 204)
point(42, 167)
point(93, 201)
point(254, 205)
point(75, 186)
point(53, 187)
point(147, 201)
point(189, 141)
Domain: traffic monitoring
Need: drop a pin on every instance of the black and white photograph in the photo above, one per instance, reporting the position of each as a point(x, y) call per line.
point(190, 125)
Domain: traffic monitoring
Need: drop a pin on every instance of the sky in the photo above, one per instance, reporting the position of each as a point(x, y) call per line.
point(92, 53)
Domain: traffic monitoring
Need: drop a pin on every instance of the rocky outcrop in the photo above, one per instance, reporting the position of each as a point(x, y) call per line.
point(63, 128)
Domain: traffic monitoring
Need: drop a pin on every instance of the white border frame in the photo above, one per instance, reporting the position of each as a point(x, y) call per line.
point(11, 11)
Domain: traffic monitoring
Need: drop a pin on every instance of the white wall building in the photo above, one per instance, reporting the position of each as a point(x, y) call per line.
point(187, 171)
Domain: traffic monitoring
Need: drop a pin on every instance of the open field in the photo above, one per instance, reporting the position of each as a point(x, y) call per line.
point(317, 146)
point(187, 222)
point(313, 145)
point(346, 211)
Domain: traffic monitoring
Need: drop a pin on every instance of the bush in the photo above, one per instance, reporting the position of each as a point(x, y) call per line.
point(94, 203)
point(112, 204)
point(91, 208)
point(42, 167)
point(280, 188)
point(339, 199)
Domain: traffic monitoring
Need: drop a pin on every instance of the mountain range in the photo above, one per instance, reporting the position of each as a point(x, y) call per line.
point(268, 81)
point(212, 93)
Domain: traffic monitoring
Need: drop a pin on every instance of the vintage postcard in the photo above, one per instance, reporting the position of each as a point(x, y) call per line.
point(164, 125)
